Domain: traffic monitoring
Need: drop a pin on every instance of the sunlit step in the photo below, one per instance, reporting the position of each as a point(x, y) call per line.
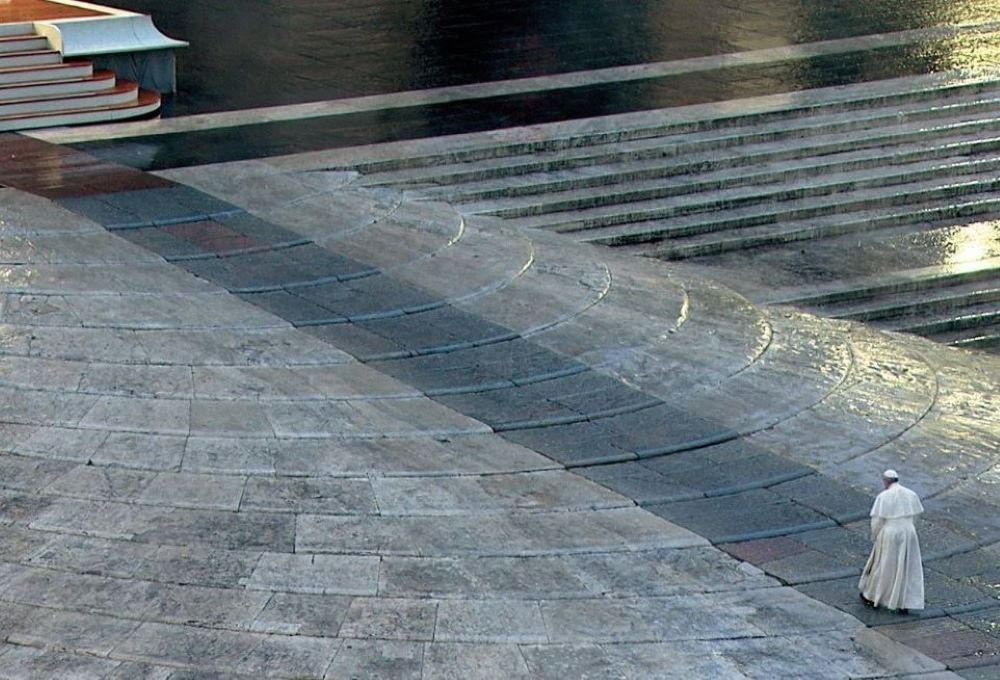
point(968, 322)
point(101, 81)
point(987, 338)
point(784, 232)
point(638, 228)
point(73, 70)
point(920, 302)
point(896, 282)
point(147, 103)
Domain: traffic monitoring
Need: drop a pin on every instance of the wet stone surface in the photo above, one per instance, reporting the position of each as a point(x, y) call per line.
point(320, 570)
point(358, 129)
point(267, 516)
point(391, 46)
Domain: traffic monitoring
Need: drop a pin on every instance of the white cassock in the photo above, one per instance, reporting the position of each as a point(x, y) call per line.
point(894, 575)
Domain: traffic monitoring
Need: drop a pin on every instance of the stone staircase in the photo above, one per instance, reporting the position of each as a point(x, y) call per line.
point(833, 188)
point(38, 89)
point(960, 307)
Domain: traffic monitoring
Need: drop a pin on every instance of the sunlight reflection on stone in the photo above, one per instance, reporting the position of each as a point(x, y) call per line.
point(973, 243)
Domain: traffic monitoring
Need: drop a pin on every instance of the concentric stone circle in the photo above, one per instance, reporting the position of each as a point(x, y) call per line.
point(196, 481)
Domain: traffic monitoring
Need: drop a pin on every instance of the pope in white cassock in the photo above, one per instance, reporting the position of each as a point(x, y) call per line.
point(894, 575)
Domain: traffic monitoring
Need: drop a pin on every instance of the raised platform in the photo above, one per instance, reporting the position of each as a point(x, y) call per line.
point(48, 54)
point(126, 42)
point(19, 11)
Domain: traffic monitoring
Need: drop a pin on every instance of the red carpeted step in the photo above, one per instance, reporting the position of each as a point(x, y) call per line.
point(142, 103)
point(123, 92)
point(46, 72)
point(22, 43)
point(29, 58)
point(98, 82)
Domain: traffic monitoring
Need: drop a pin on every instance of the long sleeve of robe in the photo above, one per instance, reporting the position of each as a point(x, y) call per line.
point(893, 577)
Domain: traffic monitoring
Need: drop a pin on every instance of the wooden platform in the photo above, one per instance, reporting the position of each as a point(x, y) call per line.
point(15, 11)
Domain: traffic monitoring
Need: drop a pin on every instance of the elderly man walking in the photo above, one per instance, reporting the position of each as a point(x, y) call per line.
point(894, 575)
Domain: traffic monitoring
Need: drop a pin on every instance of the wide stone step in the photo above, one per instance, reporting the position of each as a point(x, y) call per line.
point(950, 171)
point(786, 139)
point(702, 171)
point(636, 126)
point(942, 211)
point(910, 304)
point(972, 327)
point(984, 337)
point(699, 152)
point(777, 181)
point(643, 226)
point(974, 318)
point(900, 281)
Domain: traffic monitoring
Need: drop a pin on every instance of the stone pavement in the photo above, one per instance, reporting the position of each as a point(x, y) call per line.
point(259, 421)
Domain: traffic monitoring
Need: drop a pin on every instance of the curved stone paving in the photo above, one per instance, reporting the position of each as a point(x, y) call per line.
point(849, 201)
point(371, 477)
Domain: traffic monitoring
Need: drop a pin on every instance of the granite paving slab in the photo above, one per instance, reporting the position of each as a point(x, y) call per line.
point(390, 659)
point(33, 662)
point(639, 482)
point(843, 503)
point(322, 574)
point(544, 491)
point(722, 520)
point(503, 533)
point(435, 455)
point(278, 656)
point(218, 568)
point(455, 660)
point(562, 443)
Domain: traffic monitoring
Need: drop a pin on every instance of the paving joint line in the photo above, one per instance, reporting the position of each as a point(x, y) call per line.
point(774, 533)
point(538, 423)
point(171, 221)
point(297, 285)
point(439, 349)
point(734, 490)
point(508, 382)
point(276, 247)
